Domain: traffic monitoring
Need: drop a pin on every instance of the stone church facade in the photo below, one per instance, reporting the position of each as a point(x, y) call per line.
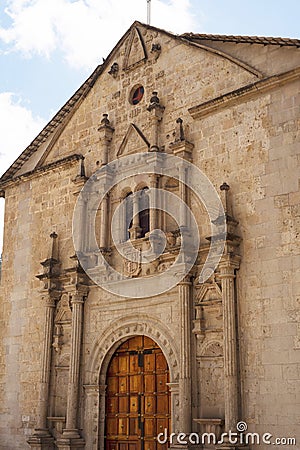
point(84, 368)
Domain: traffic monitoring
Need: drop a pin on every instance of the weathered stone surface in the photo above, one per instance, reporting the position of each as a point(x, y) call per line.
point(253, 145)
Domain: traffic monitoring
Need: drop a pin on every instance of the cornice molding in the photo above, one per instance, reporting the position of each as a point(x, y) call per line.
point(40, 170)
point(243, 94)
point(225, 55)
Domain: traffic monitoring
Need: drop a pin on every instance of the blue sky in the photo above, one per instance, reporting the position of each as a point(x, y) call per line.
point(49, 47)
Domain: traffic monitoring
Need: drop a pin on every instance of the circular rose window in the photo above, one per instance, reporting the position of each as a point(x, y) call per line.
point(136, 95)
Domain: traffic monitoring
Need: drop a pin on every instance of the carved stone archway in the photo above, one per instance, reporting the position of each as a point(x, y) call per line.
point(103, 349)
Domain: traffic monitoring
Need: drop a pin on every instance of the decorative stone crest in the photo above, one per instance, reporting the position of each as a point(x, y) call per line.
point(132, 268)
point(156, 110)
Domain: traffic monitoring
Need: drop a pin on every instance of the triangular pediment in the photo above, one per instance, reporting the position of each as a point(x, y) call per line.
point(135, 52)
point(208, 291)
point(134, 141)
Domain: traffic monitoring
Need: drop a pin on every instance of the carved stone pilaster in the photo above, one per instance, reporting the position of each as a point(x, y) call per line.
point(227, 276)
point(156, 110)
point(104, 223)
point(227, 267)
point(105, 133)
point(227, 272)
point(183, 149)
point(185, 386)
point(71, 437)
point(183, 194)
point(174, 391)
point(101, 414)
point(153, 211)
point(41, 438)
point(135, 230)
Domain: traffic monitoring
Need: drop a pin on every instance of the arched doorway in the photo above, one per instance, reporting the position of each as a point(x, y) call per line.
point(137, 406)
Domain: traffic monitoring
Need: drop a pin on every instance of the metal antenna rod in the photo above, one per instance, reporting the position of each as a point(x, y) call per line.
point(148, 12)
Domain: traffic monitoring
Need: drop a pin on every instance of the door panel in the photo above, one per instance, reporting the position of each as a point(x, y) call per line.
point(136, 383)
point(123, 363)
point(149, 362)
point(149, 383)
point(138, 398)
point(112, 445)
point(162, 404)
point(112, 385)
point(150, 404)
point(111, 425)
point(149, 427)
point(123, 404)
point(122, 428)
point(162, 380)
point(112, 405)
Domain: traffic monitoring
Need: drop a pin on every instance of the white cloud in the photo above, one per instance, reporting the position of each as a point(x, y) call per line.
point(85, 30)
point(18, 129)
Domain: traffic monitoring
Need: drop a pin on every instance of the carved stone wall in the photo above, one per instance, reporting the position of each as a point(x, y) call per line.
point(212, 103)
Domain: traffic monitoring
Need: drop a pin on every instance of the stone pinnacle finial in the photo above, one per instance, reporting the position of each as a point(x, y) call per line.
point(155, 103)
point(154, 98)
point(105, 120)
point(105, 124)
point(179, 133)
point(54, 247)
point(224, 187)
point(225, 195)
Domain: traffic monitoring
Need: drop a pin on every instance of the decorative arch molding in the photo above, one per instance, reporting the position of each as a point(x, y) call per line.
point(121, 330)
point(142, 185)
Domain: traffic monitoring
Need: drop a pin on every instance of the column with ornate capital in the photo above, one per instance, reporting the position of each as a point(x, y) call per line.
point(135, 230)
point(227, 276)
point(185, 383)
point(104, 223)
point(71, 437)
point(42, 439)
point(156, 113)
point(153, 216)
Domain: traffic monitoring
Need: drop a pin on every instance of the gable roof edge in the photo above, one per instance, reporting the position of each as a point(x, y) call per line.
point(84, 89)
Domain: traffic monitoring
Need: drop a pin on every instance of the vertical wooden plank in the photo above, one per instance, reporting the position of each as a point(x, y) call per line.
point(133, 364)
point(150, 404)
point(123, 363)
point(123, 404)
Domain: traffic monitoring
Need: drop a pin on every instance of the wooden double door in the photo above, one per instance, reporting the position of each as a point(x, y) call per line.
point(138, 398)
